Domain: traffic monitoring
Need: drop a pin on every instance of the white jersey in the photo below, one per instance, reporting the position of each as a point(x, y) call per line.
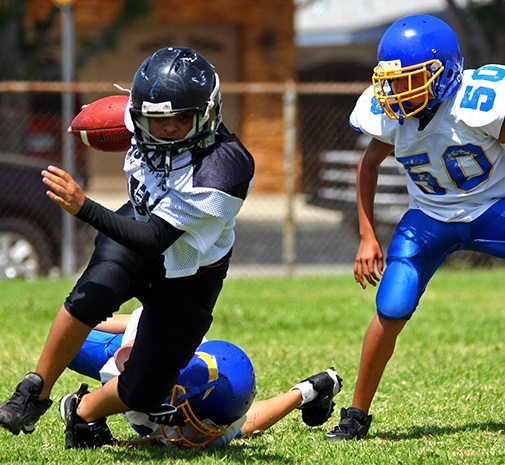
point(140, 421)
point(201, 196)
point(455, 165)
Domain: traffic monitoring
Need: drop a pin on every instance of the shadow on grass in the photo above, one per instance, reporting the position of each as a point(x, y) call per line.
point(418, 432)
point(239, 453)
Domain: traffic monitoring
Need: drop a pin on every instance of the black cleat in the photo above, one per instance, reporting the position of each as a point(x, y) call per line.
point(80, 434)
point(354, 424)
point(24, 408)
point(328, 385)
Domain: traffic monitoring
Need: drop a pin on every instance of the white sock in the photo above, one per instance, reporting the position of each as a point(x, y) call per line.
point(307, 390)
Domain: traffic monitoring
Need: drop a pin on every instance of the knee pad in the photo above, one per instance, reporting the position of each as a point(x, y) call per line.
point(99, 292)
point(399, 291)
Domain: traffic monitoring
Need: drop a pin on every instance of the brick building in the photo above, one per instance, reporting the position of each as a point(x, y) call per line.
point(246, 41)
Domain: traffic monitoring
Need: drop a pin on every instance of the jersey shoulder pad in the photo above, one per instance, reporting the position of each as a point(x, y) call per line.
point(369, 118)
point(480, 101)
point(228, 167)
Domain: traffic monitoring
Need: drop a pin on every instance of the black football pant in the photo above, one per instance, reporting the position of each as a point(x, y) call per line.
point(177, 314)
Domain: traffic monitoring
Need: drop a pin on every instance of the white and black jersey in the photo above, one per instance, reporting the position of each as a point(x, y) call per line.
point(201, 196)
point(188, 216)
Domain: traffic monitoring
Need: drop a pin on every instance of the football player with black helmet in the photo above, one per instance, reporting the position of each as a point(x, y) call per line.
point(214, 395)
point(170, 246)
point(445, 126)
point(174, 83)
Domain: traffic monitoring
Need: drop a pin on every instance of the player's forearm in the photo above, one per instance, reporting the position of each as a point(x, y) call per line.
point(150, 239)
point(366, 187)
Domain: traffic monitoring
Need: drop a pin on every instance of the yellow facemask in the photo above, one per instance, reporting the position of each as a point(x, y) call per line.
point(396, 105)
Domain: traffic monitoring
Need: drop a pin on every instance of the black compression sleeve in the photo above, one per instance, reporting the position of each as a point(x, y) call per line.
point(150, 239)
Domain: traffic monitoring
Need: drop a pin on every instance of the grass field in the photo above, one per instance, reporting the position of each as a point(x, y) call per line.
point(441, 400)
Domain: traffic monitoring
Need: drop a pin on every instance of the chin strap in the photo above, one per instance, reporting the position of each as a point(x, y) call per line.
point(199, 389)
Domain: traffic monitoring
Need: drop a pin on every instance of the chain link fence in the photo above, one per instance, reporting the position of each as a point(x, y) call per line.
point(299, 218)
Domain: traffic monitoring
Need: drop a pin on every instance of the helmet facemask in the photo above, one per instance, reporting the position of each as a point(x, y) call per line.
point(394, 103)
point(181, 399)
point(424, 52)
point(159, 153)
point(213, 391)
point(171, 82)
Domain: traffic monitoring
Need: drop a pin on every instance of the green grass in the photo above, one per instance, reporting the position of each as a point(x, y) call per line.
point(440, 400)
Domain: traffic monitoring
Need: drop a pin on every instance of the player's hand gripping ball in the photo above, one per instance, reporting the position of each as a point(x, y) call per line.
point(100, 124)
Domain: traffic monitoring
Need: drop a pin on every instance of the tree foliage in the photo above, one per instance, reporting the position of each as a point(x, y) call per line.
point(27, 54)
point(480, 28)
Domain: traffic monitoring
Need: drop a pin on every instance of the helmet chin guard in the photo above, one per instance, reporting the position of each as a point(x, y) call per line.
point(191, 434)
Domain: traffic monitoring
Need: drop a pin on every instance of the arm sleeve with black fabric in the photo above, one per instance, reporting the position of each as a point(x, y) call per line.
point(150, 238)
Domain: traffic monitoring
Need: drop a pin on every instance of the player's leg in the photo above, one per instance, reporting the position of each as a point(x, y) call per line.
point(65, 338)
point(419, 246)
point(96, 351)
point(488, 231)
point(112, 277)
point(417, 249)
point(81, 312)
point(176, 315)
point(378, 347)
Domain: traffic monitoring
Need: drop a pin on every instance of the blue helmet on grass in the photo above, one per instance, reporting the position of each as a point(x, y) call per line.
point(215, 389)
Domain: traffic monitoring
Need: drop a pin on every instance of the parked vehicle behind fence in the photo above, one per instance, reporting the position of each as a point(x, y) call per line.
point(30, 223)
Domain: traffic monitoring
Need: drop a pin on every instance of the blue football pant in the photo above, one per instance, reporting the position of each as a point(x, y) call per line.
point(97, 349)
point(418, 247)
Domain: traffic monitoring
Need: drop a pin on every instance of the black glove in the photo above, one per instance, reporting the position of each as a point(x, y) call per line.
point(166, 415)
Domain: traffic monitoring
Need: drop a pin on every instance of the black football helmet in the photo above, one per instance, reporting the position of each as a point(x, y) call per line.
point(172, 81)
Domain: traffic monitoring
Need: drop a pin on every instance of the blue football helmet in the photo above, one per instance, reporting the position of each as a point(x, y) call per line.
point(215, 389)
point(424, 52)
point(172, 81)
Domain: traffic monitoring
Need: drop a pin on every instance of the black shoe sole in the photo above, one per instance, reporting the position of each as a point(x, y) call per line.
point(26, 429)
point(9, 428)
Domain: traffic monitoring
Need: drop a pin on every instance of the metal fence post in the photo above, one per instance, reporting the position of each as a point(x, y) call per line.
point(289, 112)
point(68, 246)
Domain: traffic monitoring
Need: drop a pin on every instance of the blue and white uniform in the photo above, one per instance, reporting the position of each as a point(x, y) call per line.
point(98, 350)
point(455, 178)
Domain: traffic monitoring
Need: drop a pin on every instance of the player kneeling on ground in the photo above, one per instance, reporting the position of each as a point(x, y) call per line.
point(211, 404)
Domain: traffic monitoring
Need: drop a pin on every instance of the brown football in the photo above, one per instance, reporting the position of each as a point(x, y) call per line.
point(100, 124)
